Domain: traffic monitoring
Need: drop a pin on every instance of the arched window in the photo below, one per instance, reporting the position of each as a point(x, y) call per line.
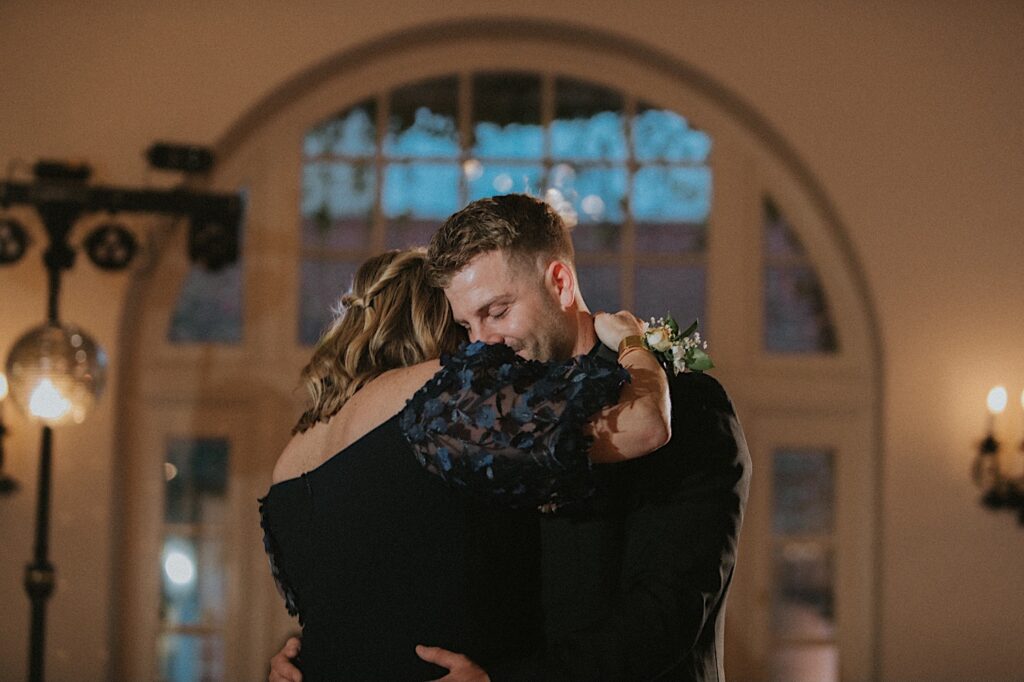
point(685, 201)
point(634, 181)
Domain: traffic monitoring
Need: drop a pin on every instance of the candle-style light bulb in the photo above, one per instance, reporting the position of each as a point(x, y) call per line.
point(996, 404)
point(4, 388)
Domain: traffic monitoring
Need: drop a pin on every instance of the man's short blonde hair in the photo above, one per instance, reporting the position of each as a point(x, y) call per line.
point(522, 227)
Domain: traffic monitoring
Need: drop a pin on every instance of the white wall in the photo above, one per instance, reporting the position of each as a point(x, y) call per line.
point(909, 114)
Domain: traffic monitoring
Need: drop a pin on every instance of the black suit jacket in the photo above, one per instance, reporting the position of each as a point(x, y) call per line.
point(635, 585)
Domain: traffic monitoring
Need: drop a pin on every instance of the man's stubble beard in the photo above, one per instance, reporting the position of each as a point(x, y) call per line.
point(554, 338)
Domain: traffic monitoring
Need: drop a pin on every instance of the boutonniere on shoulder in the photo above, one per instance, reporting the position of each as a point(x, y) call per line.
point(683, 351)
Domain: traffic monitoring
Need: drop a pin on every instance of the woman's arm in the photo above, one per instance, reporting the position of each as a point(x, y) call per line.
point(510, 429)
point(519, 430)
point(641, 421)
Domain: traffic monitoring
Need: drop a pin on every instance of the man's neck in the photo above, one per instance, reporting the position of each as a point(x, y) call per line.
point(586, 337)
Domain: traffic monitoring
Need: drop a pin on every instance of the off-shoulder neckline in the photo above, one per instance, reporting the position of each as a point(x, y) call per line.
point(336, 455)
point(594, 352)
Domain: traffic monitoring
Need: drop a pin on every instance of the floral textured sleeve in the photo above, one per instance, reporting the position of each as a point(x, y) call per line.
point(511, 429)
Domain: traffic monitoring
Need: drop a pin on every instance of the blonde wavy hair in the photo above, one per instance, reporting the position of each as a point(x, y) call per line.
point(392, 317)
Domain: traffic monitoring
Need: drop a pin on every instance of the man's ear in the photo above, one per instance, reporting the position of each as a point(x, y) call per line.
point(562, 280)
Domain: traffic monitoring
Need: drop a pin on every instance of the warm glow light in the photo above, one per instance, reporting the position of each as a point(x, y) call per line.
point(56, 373)
point(3, 386)
point(562, 174)
point(1022, 399)
point(170, 471)
point(46, 402)
point(563, 207)
point(179, 568)
point(997, 400)
point(503, 182)
point(592, 205)
point(472, 169)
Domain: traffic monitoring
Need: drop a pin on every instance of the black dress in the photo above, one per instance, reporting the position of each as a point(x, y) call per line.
point(424, 531)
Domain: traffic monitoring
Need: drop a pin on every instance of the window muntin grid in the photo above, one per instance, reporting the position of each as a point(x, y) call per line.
point(634, 179)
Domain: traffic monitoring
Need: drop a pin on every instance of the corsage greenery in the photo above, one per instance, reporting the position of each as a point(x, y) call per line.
point(683, 351)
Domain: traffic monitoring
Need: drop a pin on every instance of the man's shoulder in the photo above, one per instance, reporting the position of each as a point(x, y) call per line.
point(698, 390)
point(704, 424)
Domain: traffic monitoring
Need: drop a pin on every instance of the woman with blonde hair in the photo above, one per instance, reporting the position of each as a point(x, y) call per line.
point(403, 511)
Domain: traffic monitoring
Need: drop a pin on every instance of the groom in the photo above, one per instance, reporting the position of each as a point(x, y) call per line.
point(635, 585)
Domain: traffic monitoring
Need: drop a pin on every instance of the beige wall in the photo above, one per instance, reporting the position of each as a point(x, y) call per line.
point(909, 114)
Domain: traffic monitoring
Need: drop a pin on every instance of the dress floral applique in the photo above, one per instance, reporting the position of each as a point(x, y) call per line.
point(511, 429)
point(273, 552)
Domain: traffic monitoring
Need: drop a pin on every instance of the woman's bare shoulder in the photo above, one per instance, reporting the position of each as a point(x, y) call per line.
point(371, 406)
point(394, 387)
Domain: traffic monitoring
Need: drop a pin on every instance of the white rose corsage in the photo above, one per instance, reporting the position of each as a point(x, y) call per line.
point(682, 351)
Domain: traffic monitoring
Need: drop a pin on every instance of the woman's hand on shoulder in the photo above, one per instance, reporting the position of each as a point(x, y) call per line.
point(612, 328)
point(641, 421)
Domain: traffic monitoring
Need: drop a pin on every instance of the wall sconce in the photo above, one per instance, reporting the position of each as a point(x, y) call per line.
point(999, 491)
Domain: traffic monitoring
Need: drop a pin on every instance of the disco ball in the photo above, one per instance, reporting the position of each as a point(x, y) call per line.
point(56, 373)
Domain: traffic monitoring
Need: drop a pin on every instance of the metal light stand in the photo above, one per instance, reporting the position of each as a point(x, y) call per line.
point(7, 484)
point(60, 196)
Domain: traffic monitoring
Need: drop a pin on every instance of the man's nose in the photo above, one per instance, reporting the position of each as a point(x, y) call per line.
point(485, 333)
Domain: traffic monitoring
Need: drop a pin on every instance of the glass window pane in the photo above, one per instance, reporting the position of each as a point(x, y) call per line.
point(672, 194)
point(596, 197)
point(600, 287)
point(195, 472)
point(191, 560)
point(796, 314)
point(352, 132)
point(804, 491)
point(504, 178)
point(188, 658)
point(677, 291)
point(803, 607)
point(421, 190)
point(779, 238)
point(423, 120)
point(662, 135)
point(180, 598)
point(596, 236)
point(588, 122)
point(322, 285)
point(598, 192)
point(671, 237)
point(193, 579)
point(337, 204)
point(209, 307)
point(506, 116)
point(807, 663)
point(404, 233)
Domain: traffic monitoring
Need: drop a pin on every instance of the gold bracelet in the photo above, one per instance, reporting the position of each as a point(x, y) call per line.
point(634, 341)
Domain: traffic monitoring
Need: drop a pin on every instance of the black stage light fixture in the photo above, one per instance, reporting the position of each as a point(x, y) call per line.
point(53, 359)
point(187, 158)
point(13, 241)
point(49, 170)
point(213, 240)
point(111, 247)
